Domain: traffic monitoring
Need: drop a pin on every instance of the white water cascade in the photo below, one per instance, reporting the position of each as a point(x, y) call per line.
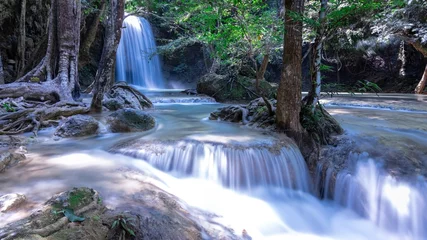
point(137, 61)
point(236, 167)
point(391, 204)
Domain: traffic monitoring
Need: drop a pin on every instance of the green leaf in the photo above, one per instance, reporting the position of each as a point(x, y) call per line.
point(115, 223)
point(69, 213)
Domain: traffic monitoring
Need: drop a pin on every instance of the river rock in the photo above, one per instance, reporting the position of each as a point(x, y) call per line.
point(9, 159)
point(123, 96)
point(237, 88)
point(11, 201)
point(130, 120)
point(77, 126)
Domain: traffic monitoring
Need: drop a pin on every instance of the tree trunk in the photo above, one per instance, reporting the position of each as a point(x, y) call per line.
point(289, 92)
point(422, 84)
point(1, 71)
point(314, 94)
point(90, 34)
point(58, 71)
point(261, 70)
point(22, 38)
point(105, 75)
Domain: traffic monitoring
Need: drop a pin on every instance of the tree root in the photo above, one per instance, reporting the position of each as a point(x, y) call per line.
point(36, 116)
point(52, 228)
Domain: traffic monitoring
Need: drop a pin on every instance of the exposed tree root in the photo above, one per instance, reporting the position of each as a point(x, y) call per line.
point(141, 97)
point(52, 228)
point(30, 116)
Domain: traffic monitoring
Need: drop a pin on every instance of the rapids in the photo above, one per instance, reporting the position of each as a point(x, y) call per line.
point(245, 178)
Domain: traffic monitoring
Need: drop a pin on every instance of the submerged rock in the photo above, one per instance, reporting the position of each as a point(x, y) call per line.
point(123, 96)
point(11, 201)
point(130, 120)
point(9, 159)
point(77, 126)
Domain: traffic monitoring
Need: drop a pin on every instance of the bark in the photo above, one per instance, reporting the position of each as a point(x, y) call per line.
point(261, 70)
point(59, 65)
point(1, 71)
point(22, 38)
point(31, 91)
point(422, 84)
point(104, 78)
point(91, 32)
point(289, 92)
point(314, 94)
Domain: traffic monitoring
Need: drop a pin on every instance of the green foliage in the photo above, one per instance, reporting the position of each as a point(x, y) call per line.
point(8, 107)
point(35, 79)
point(123, 223)
point(76, 198)
point(364, 86)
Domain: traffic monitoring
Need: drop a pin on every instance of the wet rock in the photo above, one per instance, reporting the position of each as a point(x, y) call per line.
point(123, 96)
point(190, 91)
point(12, 141)
point(77, 126)
point(130, 120)
point(254, 114)
point(237, 88)
point(9, 159)
point(11, 201)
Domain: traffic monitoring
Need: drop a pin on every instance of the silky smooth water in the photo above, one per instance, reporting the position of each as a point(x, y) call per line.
point(240, 176)
point(137, 61)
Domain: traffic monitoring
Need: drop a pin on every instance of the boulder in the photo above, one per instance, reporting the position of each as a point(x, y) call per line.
point(237, 88)
point(130, 120)
point(9, 159)
point(123, 96)
point(11, 201)
point(77, 126)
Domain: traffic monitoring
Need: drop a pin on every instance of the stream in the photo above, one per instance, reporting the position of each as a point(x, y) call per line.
point(246, 179)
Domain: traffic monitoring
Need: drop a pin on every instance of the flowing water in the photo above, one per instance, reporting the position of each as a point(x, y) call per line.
point(247, 179)
point(137, 61)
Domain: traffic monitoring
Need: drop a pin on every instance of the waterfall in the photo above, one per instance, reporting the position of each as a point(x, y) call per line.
point(236, 167)
point(390, 203)
point(137, 61)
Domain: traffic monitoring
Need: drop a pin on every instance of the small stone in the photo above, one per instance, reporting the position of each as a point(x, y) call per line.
point(11, 201)
point(77, 126)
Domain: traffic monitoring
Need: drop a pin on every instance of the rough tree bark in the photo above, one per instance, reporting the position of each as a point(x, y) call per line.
point(314, 94)
point(1, 71)
point(90, 34)
point(53, 82)
point(289, 92)
point(104, 78)
point(22, 38)
point(422, 84)
point(58, 70)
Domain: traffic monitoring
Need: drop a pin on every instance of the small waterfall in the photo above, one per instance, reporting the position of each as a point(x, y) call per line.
point(391, 204)
point(236, 167)
point(137, 61)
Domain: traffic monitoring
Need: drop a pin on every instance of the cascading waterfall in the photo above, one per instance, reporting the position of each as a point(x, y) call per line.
point(391, 204)
point(236, 167)
point(137, 61)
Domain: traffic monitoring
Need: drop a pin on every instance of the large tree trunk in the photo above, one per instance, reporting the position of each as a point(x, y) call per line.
point(22, 38)
point(422, 84)
point(1, 71)
point(104, 78)
point(58, 70)
point(90, 34)
point(289, 92)
point(314, 94)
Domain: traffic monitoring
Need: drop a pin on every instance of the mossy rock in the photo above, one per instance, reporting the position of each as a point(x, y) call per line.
point(240, 88)
point(130, 120)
